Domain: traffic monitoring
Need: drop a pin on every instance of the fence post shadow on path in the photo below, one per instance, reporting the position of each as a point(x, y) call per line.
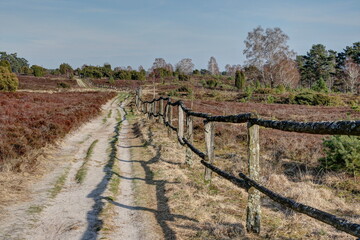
point(162, 211)
point(95, 224)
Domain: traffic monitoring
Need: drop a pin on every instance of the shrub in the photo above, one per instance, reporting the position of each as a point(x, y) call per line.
point(38, 71)
point(135, 75)
point(270, 99)
point(308, 98)
point(8, 80)
point(184, 89)
point(320, 86)
point(26, 70)
point(280, 89)
point(210, 83)
point(237, 79)
point(264, 91)
point(342, 153)
point(5, 63)
point(184, 77)
point(63, 85)
point(111, 80)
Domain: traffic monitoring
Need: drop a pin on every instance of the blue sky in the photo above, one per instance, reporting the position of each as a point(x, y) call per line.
point(122, 33)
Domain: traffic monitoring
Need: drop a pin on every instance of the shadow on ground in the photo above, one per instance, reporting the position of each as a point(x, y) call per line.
point(94, 222)
point(162, 212)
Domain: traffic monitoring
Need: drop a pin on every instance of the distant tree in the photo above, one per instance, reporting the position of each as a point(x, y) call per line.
point(265, 49)
point(240, 80)
point(138, 75)
point(8, 80)
point(92, 72)
point(196, 72)
point(317, 63)
point(231, 69)
point(38, 71)
point(26, 70)
point(185, 66)
point(352, 52)
point(159, 63)
point(204, 72)
point(169, 67)
point(237, 79)
point(286, 73)
point(16, 63)
point(141, 68)
point(213, 67)
point(352, 70)
point(107, 66)
point(66, 69)
point(253, 74)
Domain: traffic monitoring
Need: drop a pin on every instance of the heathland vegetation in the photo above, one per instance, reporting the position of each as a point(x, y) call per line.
point(30, 121)
point(274, 83)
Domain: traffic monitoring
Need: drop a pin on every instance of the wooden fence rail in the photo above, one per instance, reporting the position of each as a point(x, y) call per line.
point(249, 183)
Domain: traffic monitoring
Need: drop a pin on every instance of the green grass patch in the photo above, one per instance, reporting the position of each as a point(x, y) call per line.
point(59, 183)
point(81, 173)
point(109, 114)
point(35, 209)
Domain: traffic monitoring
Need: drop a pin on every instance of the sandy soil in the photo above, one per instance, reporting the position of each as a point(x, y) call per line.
point(74, 213)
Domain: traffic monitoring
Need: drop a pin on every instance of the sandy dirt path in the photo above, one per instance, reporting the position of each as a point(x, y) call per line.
point(74, 210)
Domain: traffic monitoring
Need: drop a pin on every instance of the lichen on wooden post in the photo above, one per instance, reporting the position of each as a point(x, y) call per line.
point(253, 210)
point(170, 113)
point(154, 111)
point(209, 142)
point(161, 110)
point(190, 138)
point(149, 107)
point(138, 95)
point(143, 107)
point(181, 125)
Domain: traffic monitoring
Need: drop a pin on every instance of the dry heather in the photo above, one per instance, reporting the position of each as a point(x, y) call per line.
point(217, 210)
point(30, 121)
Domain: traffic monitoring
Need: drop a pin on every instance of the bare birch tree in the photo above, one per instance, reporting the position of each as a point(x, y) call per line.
point(231, 69)
point(213, 66)
point(159, 63)
point(185, 66)
point(352, 71)
point(266, 49)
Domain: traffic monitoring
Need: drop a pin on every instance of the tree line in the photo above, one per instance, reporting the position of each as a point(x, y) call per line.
point(269, 63)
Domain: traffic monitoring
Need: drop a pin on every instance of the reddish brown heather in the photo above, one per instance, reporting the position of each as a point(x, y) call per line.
point(29, 121)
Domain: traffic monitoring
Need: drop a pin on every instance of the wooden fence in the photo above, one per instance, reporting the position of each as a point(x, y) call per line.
point(253, 218)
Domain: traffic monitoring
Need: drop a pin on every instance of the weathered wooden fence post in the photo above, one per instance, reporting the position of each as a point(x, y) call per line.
point(151, 112)
point(139, 97)
point(253, 209)
point(181, 125)
point(161, 111)
point(154, 110)
point(190, 138)
point(143, 105)
point(170, 113)
point(209, 141)
point(148, 110)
